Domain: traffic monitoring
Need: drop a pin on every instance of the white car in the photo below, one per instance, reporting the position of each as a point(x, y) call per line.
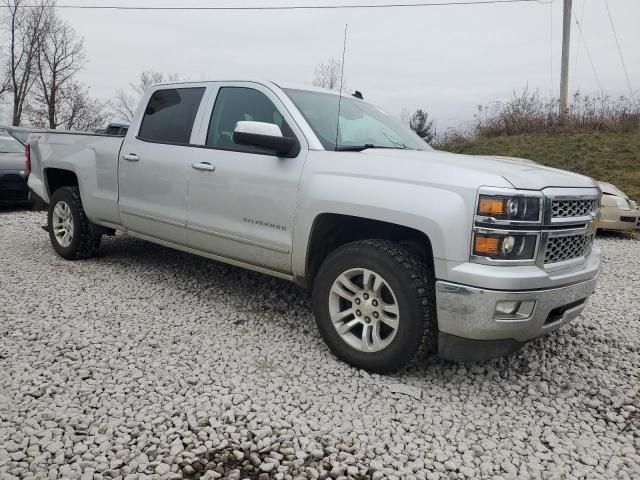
point(618, 211)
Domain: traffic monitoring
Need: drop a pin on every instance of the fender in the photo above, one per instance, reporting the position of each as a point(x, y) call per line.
point(426, 197)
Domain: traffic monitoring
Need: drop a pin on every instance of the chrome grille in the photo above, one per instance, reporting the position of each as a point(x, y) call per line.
point(573, 208)
point(560, 249)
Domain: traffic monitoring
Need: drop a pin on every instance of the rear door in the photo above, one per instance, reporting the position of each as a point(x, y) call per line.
point(242, 201)
point(154, 164)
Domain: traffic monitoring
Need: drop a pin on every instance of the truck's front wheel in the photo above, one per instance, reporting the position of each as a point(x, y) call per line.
point(373, 303)
point(70, 231)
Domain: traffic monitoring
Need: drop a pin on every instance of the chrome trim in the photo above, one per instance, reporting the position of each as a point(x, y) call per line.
point(552, 194)
point(235, 238)
point(571, 193)
point(505, 231)
point(151, 217)
point(209, 232)
point(506, 223)
point(524, 312)
point(218, 258)
point(571, 220)
point(468, 312)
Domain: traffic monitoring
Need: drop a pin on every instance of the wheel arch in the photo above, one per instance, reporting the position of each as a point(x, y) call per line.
point(55, 178)
point(332, 230)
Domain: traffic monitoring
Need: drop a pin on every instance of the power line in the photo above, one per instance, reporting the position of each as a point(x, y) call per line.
point(595, 74)
point(613, 29)
point(577, 53)
point(291, 7)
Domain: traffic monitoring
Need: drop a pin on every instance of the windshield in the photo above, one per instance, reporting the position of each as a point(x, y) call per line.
point(362, 125)
point(10, 145)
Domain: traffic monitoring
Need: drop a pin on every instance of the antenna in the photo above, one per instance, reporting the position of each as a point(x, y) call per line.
point(344, 51)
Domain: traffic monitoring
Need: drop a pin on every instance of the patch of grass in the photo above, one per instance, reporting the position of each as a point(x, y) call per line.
point(607, 156)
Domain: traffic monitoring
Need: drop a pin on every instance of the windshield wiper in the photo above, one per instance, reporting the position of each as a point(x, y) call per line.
point(360, 148)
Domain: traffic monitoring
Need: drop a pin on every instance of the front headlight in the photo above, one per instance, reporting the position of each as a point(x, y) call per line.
point(622, 203)
point(512, 208)
point(505, 246)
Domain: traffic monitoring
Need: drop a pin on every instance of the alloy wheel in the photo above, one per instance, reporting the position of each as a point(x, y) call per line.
point(62, 223)
point(364, 310)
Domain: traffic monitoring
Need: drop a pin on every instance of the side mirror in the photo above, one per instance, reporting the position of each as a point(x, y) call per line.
point(267, 136)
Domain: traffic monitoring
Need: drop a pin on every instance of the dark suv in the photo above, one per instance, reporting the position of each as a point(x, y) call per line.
point(13, 171)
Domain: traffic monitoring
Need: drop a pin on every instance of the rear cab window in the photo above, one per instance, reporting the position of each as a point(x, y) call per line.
point(170, 115)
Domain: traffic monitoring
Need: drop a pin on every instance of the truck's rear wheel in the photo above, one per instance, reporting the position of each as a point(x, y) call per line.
point(373, 303)
point(70, 231)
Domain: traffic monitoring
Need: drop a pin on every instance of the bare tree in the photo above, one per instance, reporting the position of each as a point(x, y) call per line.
point(75, 110)
point(26, 24)
point(4, 84)
point(59, 58)
point(83, 112)
point(5, 78)
point(405, 116)
point(125, 103)
point(328, 75)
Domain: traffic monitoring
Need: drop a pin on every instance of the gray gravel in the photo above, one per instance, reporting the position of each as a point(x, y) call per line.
point(149, 363)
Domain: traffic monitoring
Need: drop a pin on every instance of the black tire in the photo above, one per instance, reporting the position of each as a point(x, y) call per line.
point(85, 241)
point(412, 281)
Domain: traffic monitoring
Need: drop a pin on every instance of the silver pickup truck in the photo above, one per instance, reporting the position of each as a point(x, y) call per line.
point(402, 246)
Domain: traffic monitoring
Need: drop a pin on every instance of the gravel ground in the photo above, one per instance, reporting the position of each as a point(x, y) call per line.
point(149, 363)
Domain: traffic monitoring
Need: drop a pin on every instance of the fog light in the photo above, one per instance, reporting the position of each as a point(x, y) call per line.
point(507, 307)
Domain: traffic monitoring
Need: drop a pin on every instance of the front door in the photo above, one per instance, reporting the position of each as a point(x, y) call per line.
point(242, 201)
point(154, 166)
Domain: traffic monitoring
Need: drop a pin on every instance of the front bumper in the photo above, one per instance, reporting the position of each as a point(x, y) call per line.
point(623, 220)
point(470, 329)
point(13, 187)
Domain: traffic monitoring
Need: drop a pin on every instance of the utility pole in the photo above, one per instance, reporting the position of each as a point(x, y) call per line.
point(566, 42)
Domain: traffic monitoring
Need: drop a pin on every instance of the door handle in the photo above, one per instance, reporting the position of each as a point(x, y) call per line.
point(203, 166)
point(131, 157)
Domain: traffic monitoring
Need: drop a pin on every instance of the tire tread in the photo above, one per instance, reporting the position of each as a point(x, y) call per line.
point(422, 286)
point(88, 239)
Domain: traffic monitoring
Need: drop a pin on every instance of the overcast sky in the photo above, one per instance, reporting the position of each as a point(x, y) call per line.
point(444, 59)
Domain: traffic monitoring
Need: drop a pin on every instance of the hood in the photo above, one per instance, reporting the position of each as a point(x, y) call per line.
point(527, 174)
point(12, 161)
point(523, 161)
point(612, 190)
point(479, 170)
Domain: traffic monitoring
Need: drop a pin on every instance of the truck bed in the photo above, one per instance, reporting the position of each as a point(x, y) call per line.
point(92, 157)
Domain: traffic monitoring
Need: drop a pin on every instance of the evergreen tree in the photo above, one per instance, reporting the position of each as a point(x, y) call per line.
point(421, 124)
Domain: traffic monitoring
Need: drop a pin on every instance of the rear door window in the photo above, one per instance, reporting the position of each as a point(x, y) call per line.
point(170, 114)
